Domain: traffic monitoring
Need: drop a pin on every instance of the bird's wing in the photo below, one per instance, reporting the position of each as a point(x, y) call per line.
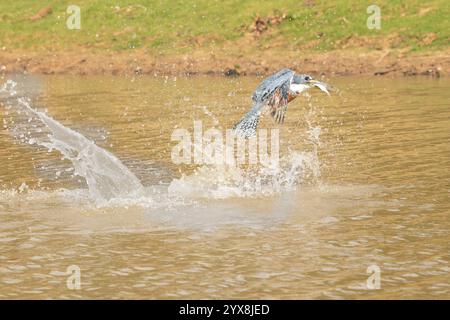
point(266, 89)
point(274, 89)
point(279, 102)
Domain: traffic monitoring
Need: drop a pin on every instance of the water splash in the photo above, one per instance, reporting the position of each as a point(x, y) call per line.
point(110, 182)
point(224, 181)
point(107, 178)
point(268, 178)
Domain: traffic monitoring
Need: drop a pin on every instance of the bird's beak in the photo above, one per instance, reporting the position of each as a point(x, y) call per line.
point(320, 85)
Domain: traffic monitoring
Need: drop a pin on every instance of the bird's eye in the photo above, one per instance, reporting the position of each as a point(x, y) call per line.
point(307, 78)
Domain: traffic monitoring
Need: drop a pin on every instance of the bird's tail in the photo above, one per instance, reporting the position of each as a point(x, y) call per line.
point(246, 127)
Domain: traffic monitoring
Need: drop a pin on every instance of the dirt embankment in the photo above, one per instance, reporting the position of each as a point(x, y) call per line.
point(340, 62)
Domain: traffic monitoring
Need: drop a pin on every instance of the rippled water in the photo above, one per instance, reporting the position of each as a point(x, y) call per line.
point(365, 181)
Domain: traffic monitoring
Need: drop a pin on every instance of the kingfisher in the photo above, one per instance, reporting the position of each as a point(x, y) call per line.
point(274, 93)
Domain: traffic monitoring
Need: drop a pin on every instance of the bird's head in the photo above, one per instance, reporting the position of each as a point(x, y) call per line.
point(301, 79)
point(301, 82)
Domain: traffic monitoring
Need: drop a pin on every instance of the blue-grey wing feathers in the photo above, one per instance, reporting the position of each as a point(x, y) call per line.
point(266, 88)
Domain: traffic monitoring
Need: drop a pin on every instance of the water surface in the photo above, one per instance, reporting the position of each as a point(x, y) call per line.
point(364, 181)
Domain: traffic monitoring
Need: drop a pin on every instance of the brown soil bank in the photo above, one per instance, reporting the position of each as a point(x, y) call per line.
point(340, 62)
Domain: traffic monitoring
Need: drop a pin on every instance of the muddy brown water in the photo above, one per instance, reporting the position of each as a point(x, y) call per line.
point(365, 186)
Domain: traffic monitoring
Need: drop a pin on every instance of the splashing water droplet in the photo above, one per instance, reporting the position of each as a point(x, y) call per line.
point(107, 178)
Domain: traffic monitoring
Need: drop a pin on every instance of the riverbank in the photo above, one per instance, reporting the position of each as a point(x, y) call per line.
point(226, 37)
point(138, 61)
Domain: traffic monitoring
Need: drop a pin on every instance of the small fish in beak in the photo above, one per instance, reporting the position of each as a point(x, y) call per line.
point(321, 85)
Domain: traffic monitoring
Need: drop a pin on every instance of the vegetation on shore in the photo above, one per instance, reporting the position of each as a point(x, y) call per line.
point(231, 30)
point(183, 25)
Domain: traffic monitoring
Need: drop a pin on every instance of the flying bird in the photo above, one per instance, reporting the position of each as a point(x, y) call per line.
point(275, 92)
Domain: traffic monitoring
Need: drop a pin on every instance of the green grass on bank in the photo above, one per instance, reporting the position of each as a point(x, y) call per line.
point(182, 25)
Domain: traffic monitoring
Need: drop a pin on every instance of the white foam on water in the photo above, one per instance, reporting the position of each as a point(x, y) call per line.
point(224, 181)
